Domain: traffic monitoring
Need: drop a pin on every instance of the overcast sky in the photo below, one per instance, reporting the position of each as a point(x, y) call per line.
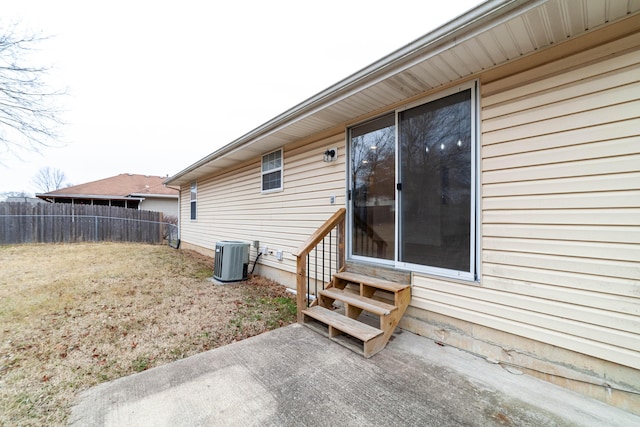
point(154, 86)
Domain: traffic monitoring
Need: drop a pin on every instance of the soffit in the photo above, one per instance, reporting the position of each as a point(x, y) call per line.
point(493, 34)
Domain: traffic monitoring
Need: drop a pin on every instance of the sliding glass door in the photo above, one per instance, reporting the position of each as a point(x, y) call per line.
point(412, 187)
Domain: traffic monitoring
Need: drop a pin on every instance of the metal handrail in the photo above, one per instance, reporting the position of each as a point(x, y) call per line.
point(335, 222)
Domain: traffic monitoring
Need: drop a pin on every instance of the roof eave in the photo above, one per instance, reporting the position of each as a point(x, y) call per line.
point(477, 19)
point(86, 196)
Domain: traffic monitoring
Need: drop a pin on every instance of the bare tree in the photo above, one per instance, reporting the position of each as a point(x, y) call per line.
point(49, 179)
point(29, 118)
point(10, 194)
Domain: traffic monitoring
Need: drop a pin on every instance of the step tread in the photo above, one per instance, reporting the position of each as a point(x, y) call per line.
point(343, 323)
point(373, 306)
point(371, 281)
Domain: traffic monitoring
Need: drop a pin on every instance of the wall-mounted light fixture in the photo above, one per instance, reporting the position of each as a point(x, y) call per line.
point(330, 155)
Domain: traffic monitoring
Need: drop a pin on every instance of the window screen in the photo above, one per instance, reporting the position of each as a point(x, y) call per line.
point(194, 197)
point(272, 171)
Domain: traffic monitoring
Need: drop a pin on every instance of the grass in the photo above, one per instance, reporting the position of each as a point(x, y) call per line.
point(73, 316)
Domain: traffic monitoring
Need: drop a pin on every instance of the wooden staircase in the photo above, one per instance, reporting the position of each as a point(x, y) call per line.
point(343, 311)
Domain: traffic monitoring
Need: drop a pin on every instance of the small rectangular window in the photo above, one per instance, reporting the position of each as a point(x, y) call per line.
point(272, 171)
point(194, 197)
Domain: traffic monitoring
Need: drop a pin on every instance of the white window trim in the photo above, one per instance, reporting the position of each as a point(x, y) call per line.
point(192, 201)
point(280, 169)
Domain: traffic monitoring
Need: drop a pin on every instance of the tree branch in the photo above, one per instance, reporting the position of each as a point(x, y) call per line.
point(29, 116)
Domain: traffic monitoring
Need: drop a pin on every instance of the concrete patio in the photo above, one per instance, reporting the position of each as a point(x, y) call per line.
point(295, 377)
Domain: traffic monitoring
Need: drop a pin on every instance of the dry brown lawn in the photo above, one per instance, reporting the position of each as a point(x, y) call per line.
point(75, 315)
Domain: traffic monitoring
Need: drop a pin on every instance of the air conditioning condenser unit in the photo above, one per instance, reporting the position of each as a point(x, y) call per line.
point(231, 261)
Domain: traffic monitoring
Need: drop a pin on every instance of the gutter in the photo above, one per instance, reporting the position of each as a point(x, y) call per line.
point(156, 196)
point(86, 196)
point(435, 41)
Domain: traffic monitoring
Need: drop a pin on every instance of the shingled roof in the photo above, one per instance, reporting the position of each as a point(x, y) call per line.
point(119, 186)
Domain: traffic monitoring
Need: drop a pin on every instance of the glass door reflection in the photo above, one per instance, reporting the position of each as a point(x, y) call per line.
point(373, 189)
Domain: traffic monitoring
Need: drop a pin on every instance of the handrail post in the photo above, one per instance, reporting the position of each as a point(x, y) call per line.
point(301, 288)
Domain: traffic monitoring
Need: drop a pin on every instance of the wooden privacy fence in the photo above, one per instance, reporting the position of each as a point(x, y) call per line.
point(66, 223)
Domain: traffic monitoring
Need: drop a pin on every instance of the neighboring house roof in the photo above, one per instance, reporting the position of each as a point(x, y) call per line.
point(123, 186)
point(492, 34)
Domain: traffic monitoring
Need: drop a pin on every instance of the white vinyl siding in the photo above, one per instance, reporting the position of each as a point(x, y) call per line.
point(169, 207)
point(230, 206)
point(560, 208)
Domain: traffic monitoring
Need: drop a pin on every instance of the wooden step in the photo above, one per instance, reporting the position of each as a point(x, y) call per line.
point(361, 279)
point(367, 304)
point(346, 329)
point(392, 274)
point(342, 323)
